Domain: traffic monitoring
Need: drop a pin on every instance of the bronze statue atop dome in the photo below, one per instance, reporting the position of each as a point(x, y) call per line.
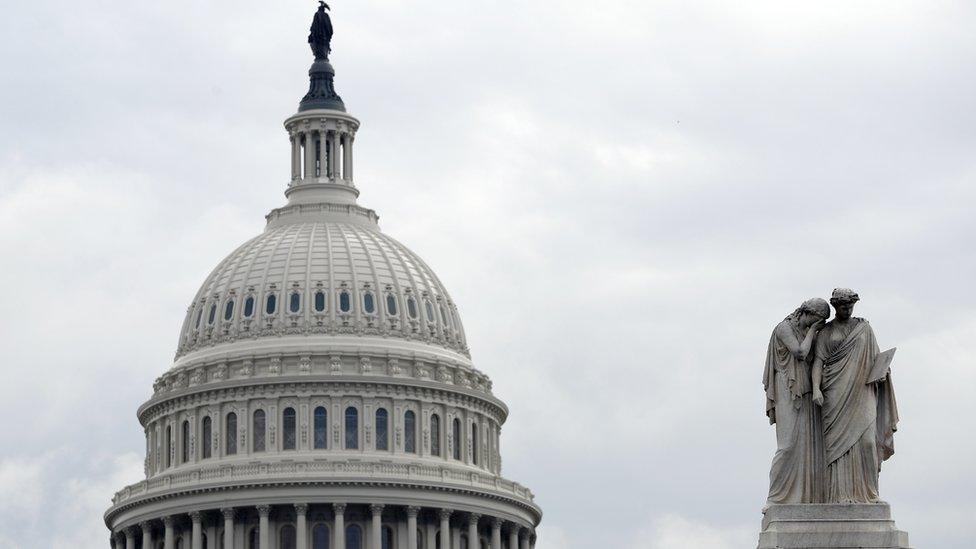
point(320, 36)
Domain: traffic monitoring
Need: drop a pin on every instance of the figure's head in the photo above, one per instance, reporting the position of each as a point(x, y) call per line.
point(812, 311)
point(843, 300)
point(323, 6)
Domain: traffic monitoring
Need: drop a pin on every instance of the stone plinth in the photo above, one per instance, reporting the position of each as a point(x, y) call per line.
point(831, 526)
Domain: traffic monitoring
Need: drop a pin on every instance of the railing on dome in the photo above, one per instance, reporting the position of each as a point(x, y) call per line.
point(325, 471)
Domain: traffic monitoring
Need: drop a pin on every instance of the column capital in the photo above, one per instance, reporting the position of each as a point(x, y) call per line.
point(497, 523)
point(445, 514)
point(377, 508)
point(146, 526)
point(264, 510)
point(196, 516)
point(169, 521)
point(339, 508)
point(301, 508)
point(473, 518)
point(120, 536)
point(413, 511)
point(228, 513)
point(133, 530)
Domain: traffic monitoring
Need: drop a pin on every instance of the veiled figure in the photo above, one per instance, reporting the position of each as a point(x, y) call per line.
point(796, 475)
point(858, 406)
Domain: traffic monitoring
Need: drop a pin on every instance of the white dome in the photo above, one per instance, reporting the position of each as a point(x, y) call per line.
point(323, 277)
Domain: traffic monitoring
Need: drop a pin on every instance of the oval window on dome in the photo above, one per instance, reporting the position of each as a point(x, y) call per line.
point(443, 316)
point(369, 304)
point(412, 307)
point(391, 304)
point(295, 302)
point(319, 301)
point(344, 303)
point(271, 305)
point(430, 311)
point(229, 310)
point(213, 314)
point(199, 317)
point(249, 307)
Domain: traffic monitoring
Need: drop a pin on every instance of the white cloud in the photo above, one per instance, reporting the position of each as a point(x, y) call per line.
point(677, 532)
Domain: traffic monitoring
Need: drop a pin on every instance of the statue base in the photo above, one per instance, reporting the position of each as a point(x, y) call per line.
point(831, 526)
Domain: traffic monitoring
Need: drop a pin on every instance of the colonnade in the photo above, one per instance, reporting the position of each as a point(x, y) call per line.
point(321, 162)
point(260, 527)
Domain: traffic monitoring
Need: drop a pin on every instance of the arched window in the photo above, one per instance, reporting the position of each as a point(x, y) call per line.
point(288, 429)
point(169, 446)
point(386, 540)
point(254, 539)
point(354, 537)
point(258, 434)
point(369, 303)
point(382, 429)
point(412, 307)
point(199, 316)
point(344, 302)
point(206, 439)
point(443, 316)
point(295, 302)
point(287, 537)
point(179, 543)
point(319, 428)
point(206, 540)
point(391, 305)
point(271, 304)
point(410, 432)
point(213, 313)
point(474, 443)
point(352, 428)
point(457, 438)
point(430, 311)
point(249, 307)
point(435, 434)
point(320, 536)
point(319, 301)
point(229, 309)
point(230, 432)
point(464, 541)
point(185, 443)
point(420, 539)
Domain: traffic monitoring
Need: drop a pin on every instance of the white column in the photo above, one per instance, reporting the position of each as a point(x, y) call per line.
point(118, 540)
point(296, 162)
point(496, 533)
point(323, 154)
point(146, 534)
point(301, 526)
point(339, 525)
point(168, 536)
point(264, 530)
point(348, 167)
point(473, 539)
point(445, 515)
point(130, 537)
point(377, 510)
point(197, 533)
point(525, 538)
point(513, 535)
point(334, 172)
point(228, 527)
point(309, 156)
point(346, 156)
point(412, 513)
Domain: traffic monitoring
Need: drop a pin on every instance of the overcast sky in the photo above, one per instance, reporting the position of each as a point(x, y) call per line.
point(623, 197)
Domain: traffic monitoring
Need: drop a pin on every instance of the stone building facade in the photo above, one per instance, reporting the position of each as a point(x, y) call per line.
point(323, 395)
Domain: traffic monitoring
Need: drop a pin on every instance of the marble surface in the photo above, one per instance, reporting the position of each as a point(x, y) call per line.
point(831, 526)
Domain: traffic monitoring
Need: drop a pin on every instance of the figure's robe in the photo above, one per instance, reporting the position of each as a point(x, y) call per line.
point(859, 418)
point(796, 475)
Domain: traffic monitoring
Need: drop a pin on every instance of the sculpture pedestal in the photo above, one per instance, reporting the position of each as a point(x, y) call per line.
point(831, 526)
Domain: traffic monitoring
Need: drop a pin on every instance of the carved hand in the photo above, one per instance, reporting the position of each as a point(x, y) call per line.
point(818, 397)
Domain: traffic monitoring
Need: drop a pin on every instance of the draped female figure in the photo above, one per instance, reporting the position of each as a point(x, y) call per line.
point(796, 475)
point(859, 412)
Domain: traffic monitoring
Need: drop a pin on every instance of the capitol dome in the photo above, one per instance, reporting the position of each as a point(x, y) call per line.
point(322, 395)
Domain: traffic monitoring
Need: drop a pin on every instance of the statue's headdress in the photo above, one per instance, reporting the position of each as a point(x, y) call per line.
point(843, 295)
